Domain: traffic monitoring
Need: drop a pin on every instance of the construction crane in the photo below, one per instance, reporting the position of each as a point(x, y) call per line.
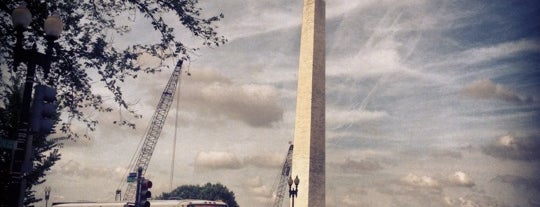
point(282, 179)
point(145, 151)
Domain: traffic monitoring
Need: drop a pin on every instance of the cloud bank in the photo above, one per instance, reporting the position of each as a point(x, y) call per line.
point(513, 148)
point(486, 89)
point(210, 93)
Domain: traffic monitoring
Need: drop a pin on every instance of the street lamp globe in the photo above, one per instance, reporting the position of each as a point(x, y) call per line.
point(47, 195)
point(290, 181)
point(296, 181)
point(21, 16)
point(47, 191)
point(53, 26)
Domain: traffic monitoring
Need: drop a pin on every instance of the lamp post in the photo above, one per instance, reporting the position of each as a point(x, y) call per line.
point(293, 192)
point(47, 195)
point(22, 155)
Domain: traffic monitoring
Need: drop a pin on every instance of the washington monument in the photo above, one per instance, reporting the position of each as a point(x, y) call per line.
point(309, 132)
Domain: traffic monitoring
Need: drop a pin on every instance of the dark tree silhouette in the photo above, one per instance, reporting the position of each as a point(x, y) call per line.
point(45, 151)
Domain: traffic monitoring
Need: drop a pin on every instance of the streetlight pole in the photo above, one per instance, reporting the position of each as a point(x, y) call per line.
point(47, 195)
point(22, 155)
point(293, 192)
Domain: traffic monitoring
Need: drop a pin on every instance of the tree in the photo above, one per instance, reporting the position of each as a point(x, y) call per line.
point(45, 151)
point(209, 191)
point(84, 54)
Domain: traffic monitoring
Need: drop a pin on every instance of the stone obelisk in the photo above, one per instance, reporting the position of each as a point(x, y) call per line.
point(309, 133)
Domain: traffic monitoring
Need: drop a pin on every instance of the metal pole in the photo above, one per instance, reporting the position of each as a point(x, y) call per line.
point(292, 193)
point(47, 195)
point(25, 127)
point(24, 135)
point(137, 192)
point(118, 196)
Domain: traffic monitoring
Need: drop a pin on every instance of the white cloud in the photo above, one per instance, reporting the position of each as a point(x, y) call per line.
point(354, 196)
point(485, 54)
point(257, 187)
point(265, 160)
point(498, 51)
point(486, 89)
point(348, 200)
point(206, 161)
point(461, 179)
point(277, 14)
point(507, 141)
point(382, 57)
point(456, 179)
point(473, 200)
point(215, 97)
point(217, 160)
point(514, 148)
point(76, 169)
point(362, 166)
point(420, 181)
point(257, 190)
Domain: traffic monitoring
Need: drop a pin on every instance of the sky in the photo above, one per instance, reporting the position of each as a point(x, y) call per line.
point(428, 103)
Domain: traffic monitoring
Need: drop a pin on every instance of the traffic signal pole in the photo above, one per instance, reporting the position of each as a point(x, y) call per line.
point(138, 191)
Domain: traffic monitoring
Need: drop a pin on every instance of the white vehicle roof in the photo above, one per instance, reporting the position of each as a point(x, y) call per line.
point(153, 203)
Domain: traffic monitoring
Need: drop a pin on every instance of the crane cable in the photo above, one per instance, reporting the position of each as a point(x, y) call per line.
point(175, 132)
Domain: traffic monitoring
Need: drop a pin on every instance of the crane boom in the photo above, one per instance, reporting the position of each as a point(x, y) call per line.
point(152, 134)
point(284, 175)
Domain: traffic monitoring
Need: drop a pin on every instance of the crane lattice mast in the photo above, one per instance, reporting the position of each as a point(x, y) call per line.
point(283, 177)
point(152, 134)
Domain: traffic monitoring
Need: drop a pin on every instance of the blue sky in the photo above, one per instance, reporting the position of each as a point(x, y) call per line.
point(429, 103)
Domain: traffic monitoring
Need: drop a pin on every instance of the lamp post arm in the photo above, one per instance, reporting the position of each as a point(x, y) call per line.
point(28, 87)
point(48, 56)
point(18, 48)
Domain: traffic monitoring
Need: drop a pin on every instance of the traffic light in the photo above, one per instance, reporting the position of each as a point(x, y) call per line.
point(43, 111)
point(145, 193)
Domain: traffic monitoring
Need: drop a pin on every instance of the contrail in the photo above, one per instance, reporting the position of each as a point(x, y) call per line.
point(383, 23)
point(363, 103)
point(377, 31)
point(390, 19)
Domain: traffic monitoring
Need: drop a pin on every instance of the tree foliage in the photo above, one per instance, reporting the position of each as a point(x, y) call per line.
point(206, 192)
point(45, 151)
point(85, 53)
